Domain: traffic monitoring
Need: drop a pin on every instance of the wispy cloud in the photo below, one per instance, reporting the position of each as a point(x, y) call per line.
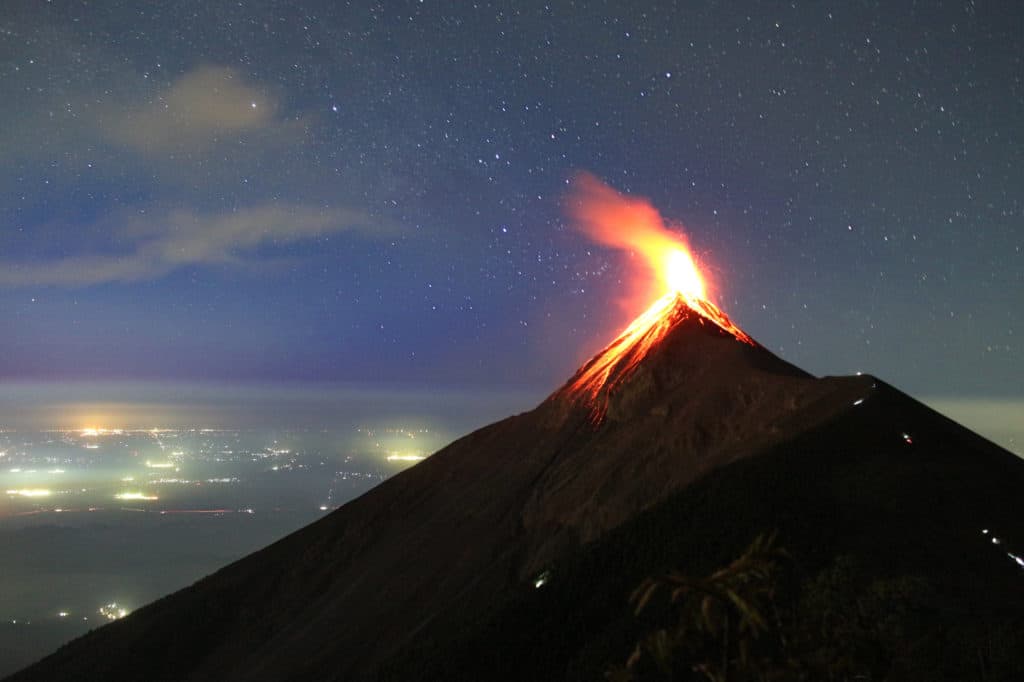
point(204, 138)
point(199, 110)
point(157, 243)
point(190, 137)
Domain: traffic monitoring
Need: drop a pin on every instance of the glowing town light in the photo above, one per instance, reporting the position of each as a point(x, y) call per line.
point(113, 611)
point(396, 457)
point(159, 465)
point(30, 492)
point(136, 496)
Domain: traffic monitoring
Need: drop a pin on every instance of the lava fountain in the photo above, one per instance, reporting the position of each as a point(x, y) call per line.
point(634, 225)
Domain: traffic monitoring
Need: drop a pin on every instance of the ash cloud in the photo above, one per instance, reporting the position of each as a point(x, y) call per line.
point(628, 224)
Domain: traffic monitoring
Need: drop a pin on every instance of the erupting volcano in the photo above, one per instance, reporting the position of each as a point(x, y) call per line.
point(510, 553)
point(631, 224)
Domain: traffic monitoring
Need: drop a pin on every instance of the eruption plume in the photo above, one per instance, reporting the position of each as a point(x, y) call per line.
point(634, 225)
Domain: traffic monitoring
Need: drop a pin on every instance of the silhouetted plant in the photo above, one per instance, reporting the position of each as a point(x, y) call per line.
point(725, 625)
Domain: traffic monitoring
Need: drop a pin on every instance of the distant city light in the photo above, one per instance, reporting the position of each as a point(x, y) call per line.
point(93, 432)
point(31, 492)
point(69, 474)
point(159, 465)
point(135, 496)
point(113, 611)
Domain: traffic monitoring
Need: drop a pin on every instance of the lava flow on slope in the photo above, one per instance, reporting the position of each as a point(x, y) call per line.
point(613, 365)
point(632, 224)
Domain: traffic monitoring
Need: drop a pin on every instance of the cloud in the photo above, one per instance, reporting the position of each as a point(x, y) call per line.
point(192, 137)
point(157, 243)
point(998, 419)
point(196, 111)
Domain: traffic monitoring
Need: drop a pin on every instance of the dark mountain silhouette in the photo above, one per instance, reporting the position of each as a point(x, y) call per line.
point(695, 440)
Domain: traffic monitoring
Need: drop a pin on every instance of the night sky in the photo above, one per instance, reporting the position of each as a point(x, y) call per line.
point(376, 193)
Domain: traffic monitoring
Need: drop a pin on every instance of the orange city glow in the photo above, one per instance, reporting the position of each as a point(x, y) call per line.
point(634, 225)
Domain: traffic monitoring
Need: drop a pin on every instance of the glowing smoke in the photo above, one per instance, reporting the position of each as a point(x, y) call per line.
point(633, 225)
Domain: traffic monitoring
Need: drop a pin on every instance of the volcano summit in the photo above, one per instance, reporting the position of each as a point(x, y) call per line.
point(510, 554)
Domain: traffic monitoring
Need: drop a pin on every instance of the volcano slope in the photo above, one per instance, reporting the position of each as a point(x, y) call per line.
point(684, 456)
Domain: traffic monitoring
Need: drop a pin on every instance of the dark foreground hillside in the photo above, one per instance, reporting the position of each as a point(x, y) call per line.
point(890, 576)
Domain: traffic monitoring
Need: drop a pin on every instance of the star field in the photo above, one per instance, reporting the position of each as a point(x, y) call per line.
point(374, 192)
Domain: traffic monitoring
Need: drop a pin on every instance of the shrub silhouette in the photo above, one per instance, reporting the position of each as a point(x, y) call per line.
point(722, 627)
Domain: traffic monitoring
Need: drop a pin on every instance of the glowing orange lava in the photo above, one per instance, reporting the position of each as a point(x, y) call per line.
point(634, 225)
